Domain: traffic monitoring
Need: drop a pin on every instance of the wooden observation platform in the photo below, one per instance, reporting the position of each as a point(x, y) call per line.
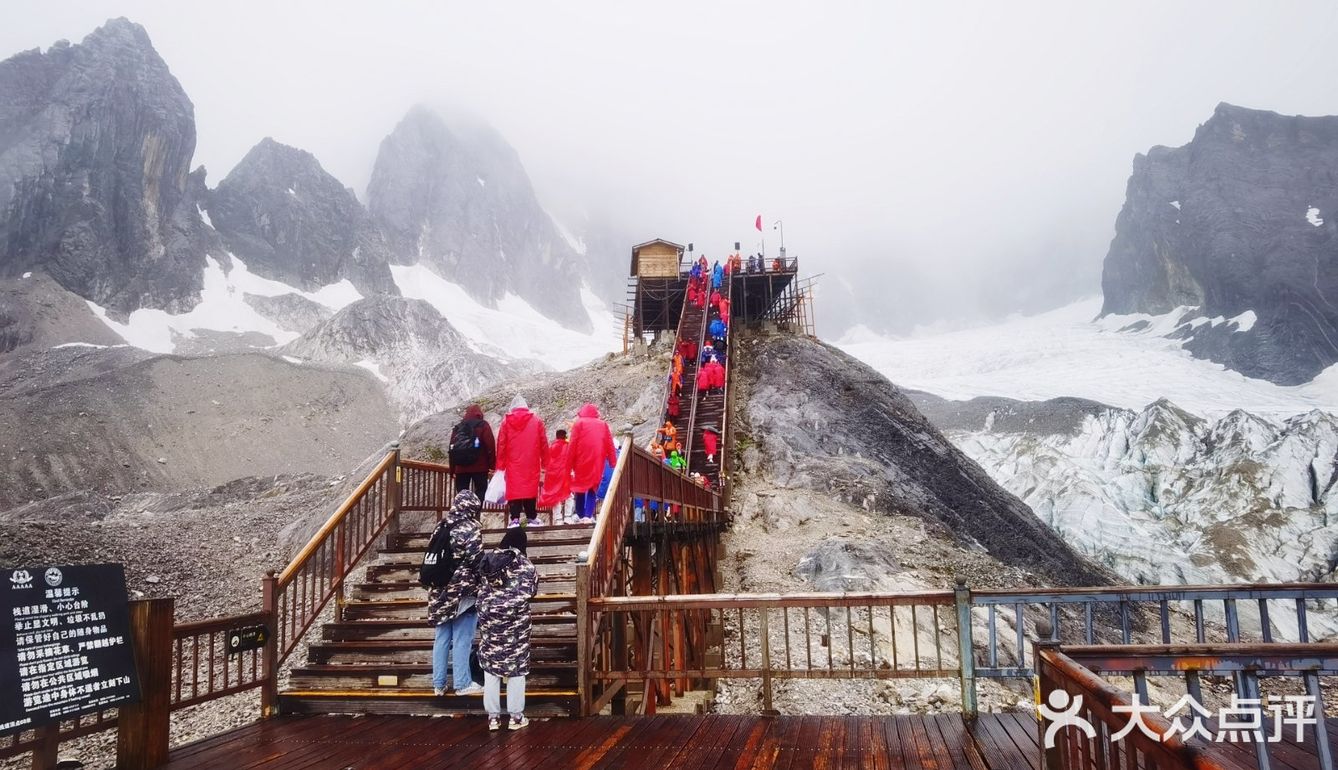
point(659, 281)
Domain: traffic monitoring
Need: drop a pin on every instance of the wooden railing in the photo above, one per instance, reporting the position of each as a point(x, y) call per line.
point(796, 636)
point(1243, 664)
point(202, 670)
point(295, 599)
point(1096, 701)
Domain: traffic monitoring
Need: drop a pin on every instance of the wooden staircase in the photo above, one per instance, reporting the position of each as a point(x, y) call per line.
point(376, 658)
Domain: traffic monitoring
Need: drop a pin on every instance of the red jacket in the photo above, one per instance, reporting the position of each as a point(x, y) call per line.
point(591, 448)
point(557, 475)
point(483, 432)
point(522, 449)
point(713, 375)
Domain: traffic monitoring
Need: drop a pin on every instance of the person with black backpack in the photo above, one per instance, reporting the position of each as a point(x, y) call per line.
point(473, 451)
point(450, 573)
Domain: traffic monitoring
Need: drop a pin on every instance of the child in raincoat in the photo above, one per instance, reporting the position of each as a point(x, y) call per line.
point(507, 582)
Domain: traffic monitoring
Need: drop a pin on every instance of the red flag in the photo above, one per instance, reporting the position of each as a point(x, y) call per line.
point(758, 224)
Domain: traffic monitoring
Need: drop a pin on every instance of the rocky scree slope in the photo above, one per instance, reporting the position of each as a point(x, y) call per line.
point(818, 420)
point(425, 363)
point(291, 221)
point(1239, 225)
point(95, 144)
point(115, 421)
point(1159, 495)
point(458, 199)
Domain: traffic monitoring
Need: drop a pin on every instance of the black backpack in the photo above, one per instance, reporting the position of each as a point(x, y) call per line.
point(466, 447)
point(439, 560)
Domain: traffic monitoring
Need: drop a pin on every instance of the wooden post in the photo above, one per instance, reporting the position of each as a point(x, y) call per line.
point(341, 543)
point(965, 648)
point(143, 729)
point(1053, 757)
point(47, 752)
point(583, 638)
point(269, 690)
point(396, 477)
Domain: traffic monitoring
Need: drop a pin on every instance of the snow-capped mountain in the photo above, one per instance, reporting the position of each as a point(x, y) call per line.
point(458, 199)
point(1240, 220)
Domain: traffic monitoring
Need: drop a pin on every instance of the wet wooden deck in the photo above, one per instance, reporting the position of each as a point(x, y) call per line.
point(996, 741)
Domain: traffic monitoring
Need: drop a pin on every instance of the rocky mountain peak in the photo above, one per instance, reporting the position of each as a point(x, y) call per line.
point(95, 145)
point(1240, 220)
point(291, 221)
point(457, 198)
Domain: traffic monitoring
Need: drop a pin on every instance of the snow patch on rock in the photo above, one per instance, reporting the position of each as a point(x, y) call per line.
point(373, 368)
point(222, 308)
point(1312, 216)
point(514, 329)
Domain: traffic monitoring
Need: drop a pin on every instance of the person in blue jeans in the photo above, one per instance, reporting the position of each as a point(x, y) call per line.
point(453, 609)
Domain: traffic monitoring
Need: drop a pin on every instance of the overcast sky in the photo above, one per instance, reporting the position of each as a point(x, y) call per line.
point(975, 153)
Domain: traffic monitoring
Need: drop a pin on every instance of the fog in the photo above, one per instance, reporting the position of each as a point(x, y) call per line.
point(937, 163)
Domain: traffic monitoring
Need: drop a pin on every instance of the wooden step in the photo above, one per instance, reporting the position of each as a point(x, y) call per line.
point(539, 703)
point(409, 608)
point(379, 651)
point(409, 589)
point(401, 571)
point(561, 629)
point(537, 553)
point(566, 534)
point(411, 677)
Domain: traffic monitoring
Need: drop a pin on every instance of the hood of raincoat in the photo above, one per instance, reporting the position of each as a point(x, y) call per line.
point(496, 563)
point(465, 506)
point(519, 417)
point(474, 412)
point(589, 410)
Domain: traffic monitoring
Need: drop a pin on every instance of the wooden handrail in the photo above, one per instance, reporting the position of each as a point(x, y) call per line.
point(328, 527)
point(606, 510)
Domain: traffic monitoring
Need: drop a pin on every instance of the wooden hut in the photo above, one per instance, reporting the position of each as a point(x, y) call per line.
point(656, 259)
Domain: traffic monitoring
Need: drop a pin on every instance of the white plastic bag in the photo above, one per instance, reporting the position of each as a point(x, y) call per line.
point(496, 492)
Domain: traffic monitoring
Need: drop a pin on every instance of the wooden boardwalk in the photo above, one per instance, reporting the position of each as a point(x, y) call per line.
point(995, 742)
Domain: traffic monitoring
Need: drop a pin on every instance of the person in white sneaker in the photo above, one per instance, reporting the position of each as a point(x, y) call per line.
point(591, 448)
point(508, 581)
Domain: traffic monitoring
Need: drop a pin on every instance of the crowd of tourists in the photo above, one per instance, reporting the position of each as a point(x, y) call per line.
point(480, 598)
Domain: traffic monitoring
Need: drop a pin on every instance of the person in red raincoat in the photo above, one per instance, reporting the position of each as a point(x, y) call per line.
point(522, 450)
point(715, 298)
point(724, 311)
point(710, 442)
point(673, 408)
point(557, 480)
point(591, 447)
point(688, 350)
point(712, 377)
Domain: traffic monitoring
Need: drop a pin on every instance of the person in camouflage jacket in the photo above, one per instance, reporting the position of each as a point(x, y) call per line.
point(453, 609)
point(508, 581)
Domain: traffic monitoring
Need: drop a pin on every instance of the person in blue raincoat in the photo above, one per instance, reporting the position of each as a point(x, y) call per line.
point(717, 276)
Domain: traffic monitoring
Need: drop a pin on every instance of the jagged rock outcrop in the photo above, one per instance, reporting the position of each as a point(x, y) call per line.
point(1240, 224)
point(36, 313)
point(458, 199)
point(424, 362)
point(291, 312)
point(95, 145)
point(289, 220)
